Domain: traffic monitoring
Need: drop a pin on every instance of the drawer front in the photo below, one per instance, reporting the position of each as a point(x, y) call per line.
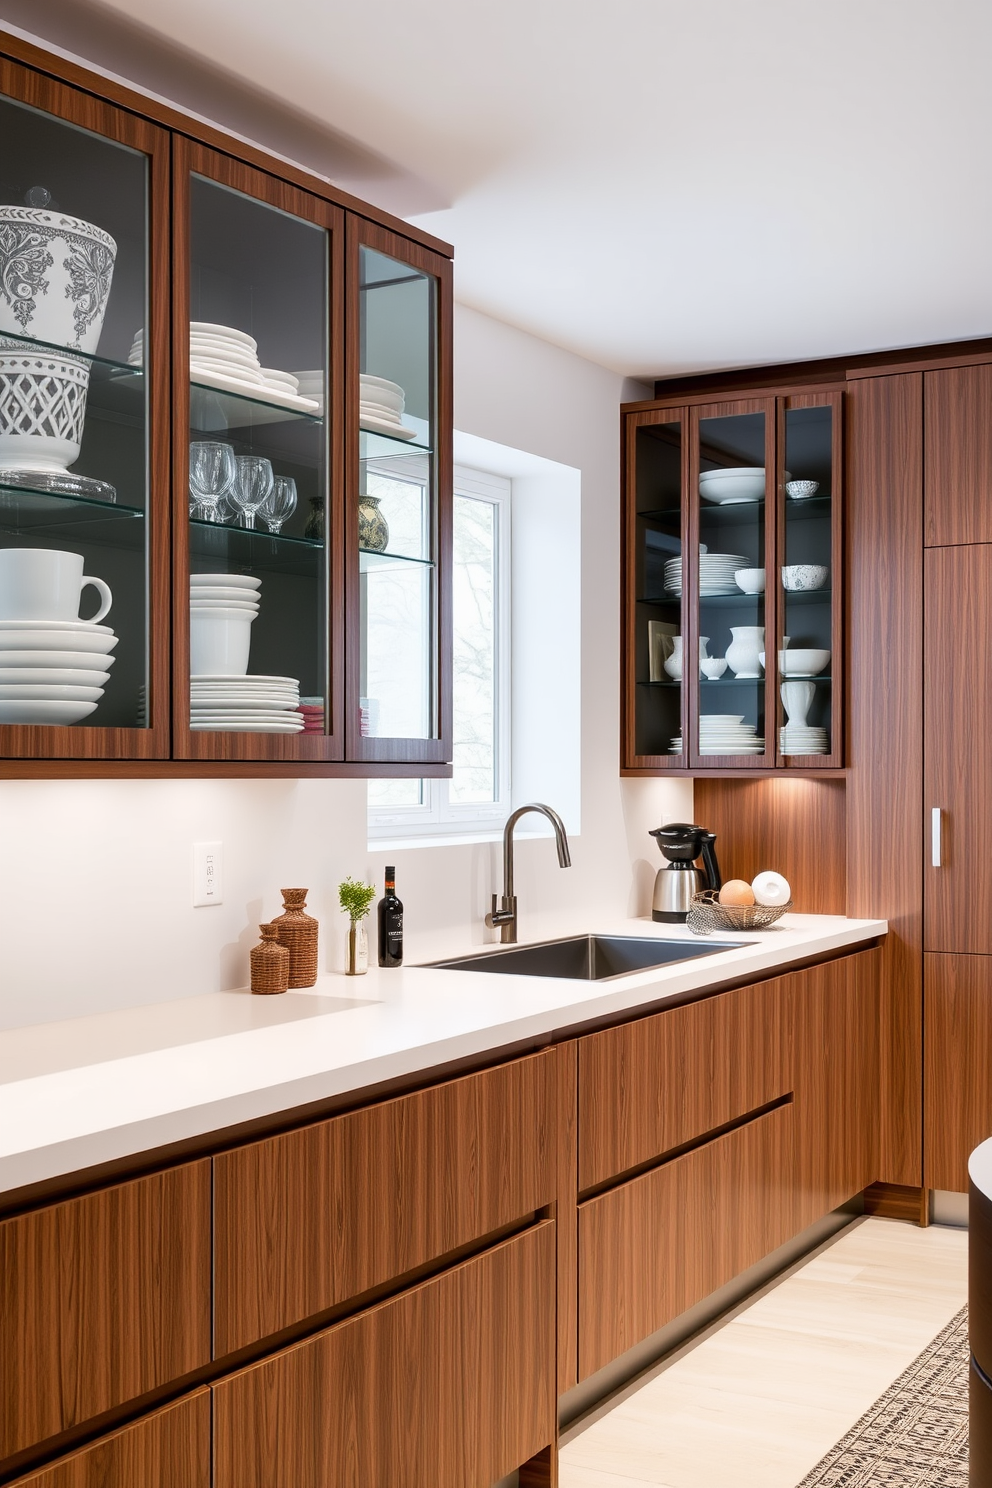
point(170, 1449)
point(651, 1248)
point(649, 1086)
point(306, 1220)
point(450, 1385)
point(101, 1299)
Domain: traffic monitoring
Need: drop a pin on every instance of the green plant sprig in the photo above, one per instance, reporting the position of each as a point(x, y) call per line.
point(355, 898)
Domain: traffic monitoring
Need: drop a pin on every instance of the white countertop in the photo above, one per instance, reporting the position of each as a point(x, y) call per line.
point(91, 1090)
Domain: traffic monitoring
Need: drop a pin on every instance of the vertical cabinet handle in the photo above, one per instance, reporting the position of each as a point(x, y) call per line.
point(935, 837)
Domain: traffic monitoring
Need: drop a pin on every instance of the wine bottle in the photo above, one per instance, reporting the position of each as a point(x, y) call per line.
point(390, 924)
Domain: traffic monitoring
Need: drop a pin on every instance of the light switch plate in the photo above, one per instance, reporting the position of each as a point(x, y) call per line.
point(208, 873)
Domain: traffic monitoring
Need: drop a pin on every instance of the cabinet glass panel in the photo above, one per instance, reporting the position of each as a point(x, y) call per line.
point(258, 462)
point(808, 598)
point(731, 584)
point(73, 466)
point(658, 597)
point(397, 508)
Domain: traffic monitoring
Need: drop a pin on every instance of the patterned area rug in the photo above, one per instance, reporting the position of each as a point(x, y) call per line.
point(916, 1434)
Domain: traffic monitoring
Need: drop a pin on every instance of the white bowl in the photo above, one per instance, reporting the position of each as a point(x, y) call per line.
point(249, 605)
point(713, 666)
point(215, 592)
point(727, 487)
point(47, 676)
point(802, 663)
point(90, 660)
point(227, 581)
point(43, 636)
point(41, 710)
point(751, 580)
point(52, 692)
point(800, 577)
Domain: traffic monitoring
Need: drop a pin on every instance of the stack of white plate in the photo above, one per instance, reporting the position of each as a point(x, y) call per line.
point(255, 705)
point(716, 574)
point(52, 671)
point(310, 384)
point(381, 407)
point(724, 733)
point(225, 358)
point(796, 739)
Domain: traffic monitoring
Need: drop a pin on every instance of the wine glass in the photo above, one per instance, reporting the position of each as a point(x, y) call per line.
point(212, 472)
point(280, 503)
point(252, 486)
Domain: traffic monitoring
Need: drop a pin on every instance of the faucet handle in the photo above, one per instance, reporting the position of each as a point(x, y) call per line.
point(503, 917)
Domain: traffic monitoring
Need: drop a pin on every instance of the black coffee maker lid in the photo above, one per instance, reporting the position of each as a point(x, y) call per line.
point(681, 842)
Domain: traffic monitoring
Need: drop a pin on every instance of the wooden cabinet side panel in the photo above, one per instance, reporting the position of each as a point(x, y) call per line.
point(306, 1220)
point(567, 1214)
point(653, 1084)
point(102, 1298)
point(884, 626)
point(957, 1073)
point(958, 455)
point(958, 762)
point(450, 1385)
point(836, 1062)
point(170, 1449)
point(651, 1248)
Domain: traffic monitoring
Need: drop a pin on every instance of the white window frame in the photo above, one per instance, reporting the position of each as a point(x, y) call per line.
point(437, 816)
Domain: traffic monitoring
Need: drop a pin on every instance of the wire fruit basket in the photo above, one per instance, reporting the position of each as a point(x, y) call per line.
point(707, 914)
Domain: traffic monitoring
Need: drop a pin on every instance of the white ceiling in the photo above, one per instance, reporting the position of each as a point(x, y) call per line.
point(661, 185)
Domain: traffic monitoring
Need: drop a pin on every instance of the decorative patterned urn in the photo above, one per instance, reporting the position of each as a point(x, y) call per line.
point(55, 278)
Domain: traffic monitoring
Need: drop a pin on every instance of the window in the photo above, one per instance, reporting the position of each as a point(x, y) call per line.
point(477, 795)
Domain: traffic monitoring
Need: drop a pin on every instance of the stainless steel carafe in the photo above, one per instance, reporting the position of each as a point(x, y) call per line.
point(682, 844)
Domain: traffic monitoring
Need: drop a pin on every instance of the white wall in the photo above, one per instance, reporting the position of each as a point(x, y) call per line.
point(95, 877)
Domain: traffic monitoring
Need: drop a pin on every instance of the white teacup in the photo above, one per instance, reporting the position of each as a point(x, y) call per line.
point(42, 584)
point(219, 642)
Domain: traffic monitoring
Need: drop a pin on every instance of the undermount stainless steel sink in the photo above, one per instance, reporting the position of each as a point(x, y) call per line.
point(587, 958)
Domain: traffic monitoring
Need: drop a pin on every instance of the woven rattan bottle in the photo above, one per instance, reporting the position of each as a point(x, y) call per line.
point(269, 963)
point(298, 933)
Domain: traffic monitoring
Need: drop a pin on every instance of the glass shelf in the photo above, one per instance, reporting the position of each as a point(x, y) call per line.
point(213, 408)
point(728, 601)
point(707, 682)
point(374, 446)
point(240, 548)
point(72, 517)
point(671, 601)
point(370, 559)
point(806, 596)
point(32, 344)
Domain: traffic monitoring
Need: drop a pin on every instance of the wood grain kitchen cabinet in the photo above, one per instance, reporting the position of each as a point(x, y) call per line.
point(685, 538)
point(834, 1036)
point(307, 1220)
point(656, 1245)
point(261, 337)
point(649, 1086)
point(957, 1070)
point(957, 444)
point(168, 1449)
point(957, 759)
point(449, 1385)
point(102, 1298)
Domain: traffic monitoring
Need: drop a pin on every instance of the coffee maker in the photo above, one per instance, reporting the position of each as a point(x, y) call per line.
point(682, 843)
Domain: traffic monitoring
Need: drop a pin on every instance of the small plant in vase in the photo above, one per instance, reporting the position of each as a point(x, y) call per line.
point(355, 899)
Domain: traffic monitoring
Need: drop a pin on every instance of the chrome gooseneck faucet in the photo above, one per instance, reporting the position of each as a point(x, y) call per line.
point(503, 916)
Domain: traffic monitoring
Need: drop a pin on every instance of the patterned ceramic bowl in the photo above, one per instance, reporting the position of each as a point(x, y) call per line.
point(801, 490)
point(797, 577)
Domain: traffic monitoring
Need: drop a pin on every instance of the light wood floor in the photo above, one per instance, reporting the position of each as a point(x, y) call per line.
point(759, 1401)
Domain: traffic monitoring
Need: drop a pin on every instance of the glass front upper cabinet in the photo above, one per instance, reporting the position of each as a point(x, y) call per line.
point(653, 561)
point(262, 545)
point(810, 727)
point(80, 672)
point(734, 473)
point(400, 512)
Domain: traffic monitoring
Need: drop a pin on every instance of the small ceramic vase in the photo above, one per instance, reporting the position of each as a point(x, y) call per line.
point(358, 949)
point(673, 663)
point(745, 649)
point(314, 530)
point(269, 963)
point(797, 697)
point(373, 530)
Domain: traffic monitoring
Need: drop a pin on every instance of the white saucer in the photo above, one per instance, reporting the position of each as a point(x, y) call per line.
point(67, 625)
point(49, 692)
point(38, 711)
point(50, 676)
point(226, 333)
point(249, 677)
point(227, 581)
point(211, 591)
point(90, 660)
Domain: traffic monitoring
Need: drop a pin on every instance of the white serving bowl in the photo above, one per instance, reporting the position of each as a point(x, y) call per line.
point(49, 711)
point(52, 635)
point(740, 483)
point(223, 580)
point(800, 577)
point(802, 663)
point(713, 667)
point(751, 580)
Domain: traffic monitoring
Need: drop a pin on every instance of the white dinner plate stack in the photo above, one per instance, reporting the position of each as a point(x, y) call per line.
point(53, 671)
point(716, 574)
point(381, 407)
point(310, 384)
point(724, 733)
point(252, 705)
point(225, 358)
point(803, 739)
